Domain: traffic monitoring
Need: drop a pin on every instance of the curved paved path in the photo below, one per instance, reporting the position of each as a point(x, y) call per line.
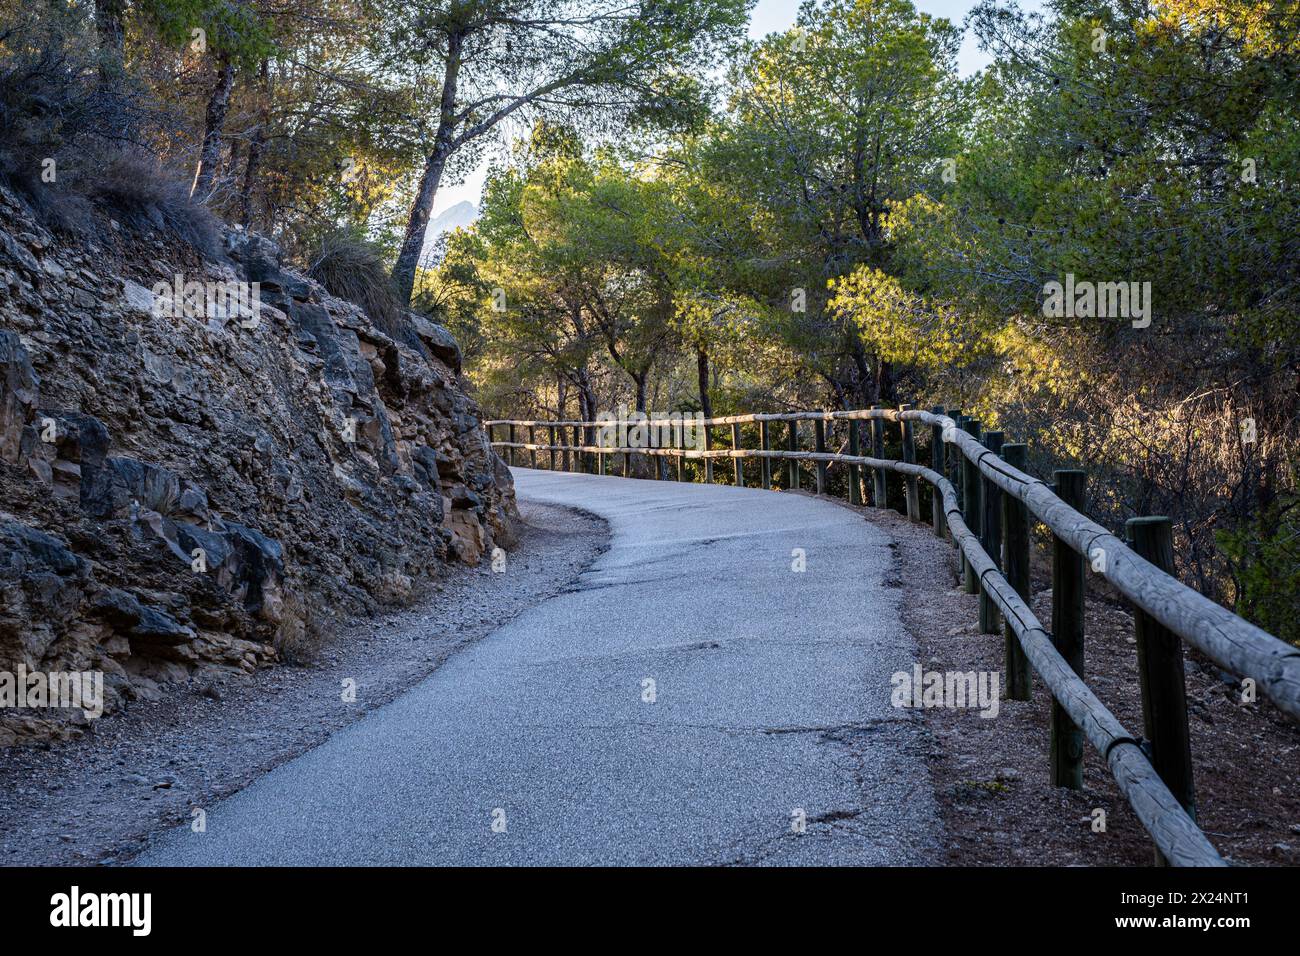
point(771, 696)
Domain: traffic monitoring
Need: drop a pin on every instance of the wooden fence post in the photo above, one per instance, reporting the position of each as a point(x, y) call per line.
point(1015, 560)
point(651, 460)
point(937, 518)
point(708, 462)
point(880, 487)
point(579, 457)
point(1160, 670)
point(510, 452)
point(954, 474)
point(765, 442)
point(1067, 634)
point(663, 469)
point(738, 464)
point(532, 440)
point(855, 471)
point(550, 431)
point(820, 440)
point(909, 456)
point(679, 442)
point(990, 533)
point(970, 503)
point(954, 456)
point(792, 466)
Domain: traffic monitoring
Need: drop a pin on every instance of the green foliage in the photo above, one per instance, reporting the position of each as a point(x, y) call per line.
point(564, 263)
point(600, 66)
point(1116, 144)
point(905, 328)
point(239, 30)
point(829, 125)
point(917, 218)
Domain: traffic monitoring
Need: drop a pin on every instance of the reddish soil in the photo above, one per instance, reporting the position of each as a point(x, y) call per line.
point(991, 775)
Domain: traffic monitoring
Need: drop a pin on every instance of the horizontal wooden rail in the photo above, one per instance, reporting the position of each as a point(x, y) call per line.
point(1233, 643)
point(1171, 828)
point(1230, 641)
point(856, 414)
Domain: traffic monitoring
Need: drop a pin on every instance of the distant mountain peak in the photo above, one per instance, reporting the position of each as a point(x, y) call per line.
point(464, 207)
point(464, 213)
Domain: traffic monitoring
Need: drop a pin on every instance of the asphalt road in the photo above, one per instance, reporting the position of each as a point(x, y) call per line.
point(690, 700)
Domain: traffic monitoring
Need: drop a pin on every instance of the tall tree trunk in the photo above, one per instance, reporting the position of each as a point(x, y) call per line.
point(108, 24)
point(865, 378)
point(639, 463)
point(706, 403)
point(408, 258)
point(587, 413)
point(214, 121)
point(253, 166)
point(865, 388)
point(885, 382)
point(590, 394)
point(641, 389)
point(562, 386)
point(702, 369)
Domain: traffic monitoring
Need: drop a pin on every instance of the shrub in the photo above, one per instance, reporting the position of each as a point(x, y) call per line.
point(352, 268)
point(302, 632)
point(69, 143)
point(140, 193)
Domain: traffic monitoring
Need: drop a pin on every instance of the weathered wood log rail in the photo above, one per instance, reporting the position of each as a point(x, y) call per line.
point(983, 502)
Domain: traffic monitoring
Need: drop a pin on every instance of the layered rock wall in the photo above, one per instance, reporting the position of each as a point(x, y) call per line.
point(178, 490)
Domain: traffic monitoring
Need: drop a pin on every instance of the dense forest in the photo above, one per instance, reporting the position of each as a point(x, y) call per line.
point(1093, 243)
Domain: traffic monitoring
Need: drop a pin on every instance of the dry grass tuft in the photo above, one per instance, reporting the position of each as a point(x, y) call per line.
point(303, 632)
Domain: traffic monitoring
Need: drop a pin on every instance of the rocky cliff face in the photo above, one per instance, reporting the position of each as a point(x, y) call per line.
point(182, 493)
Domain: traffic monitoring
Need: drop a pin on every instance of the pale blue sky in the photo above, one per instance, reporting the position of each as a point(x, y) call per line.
point(770, 15)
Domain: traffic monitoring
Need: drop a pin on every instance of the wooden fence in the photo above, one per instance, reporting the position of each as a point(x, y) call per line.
point(984, 502)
